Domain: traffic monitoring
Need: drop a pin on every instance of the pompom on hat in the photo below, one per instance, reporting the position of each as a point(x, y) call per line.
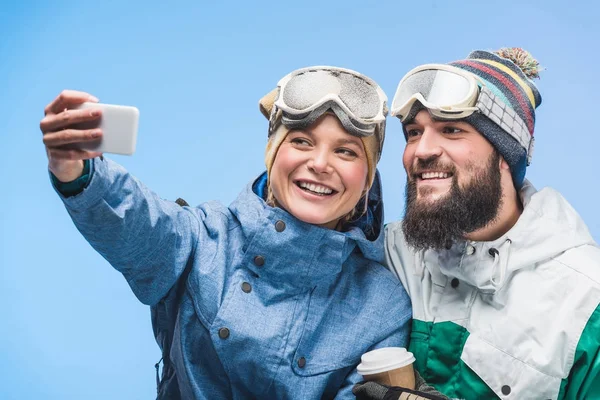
point(508, 73)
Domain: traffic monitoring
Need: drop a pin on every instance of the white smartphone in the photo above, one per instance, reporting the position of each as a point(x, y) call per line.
point(119, 126)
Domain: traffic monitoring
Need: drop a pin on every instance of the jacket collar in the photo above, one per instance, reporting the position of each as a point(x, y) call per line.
point(547, 227)
point(303, 254)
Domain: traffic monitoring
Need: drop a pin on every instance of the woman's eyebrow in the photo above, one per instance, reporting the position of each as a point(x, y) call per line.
point(349, 141)
point(307, 132)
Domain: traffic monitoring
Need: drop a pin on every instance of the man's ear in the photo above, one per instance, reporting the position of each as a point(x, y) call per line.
point(503, 164)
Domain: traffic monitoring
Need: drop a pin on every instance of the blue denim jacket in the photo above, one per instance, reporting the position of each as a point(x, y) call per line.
point(272, 307)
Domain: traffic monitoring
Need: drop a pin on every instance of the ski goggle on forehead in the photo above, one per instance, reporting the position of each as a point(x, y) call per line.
point(451, 93)
point(306, 94)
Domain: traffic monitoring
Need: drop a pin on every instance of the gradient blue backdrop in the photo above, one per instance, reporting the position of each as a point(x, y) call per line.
point(69, 326)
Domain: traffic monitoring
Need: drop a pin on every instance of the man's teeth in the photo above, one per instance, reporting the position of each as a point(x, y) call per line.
point(315, 188)
point(434, 175)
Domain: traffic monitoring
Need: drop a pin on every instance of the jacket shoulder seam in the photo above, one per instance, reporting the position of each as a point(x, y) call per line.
point(560, 259)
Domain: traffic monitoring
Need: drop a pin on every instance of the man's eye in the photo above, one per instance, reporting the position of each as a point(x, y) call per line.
point(452, 129)
point(411, 133)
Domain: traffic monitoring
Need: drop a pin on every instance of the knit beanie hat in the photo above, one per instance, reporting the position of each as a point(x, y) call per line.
point(278, 131)
point(507, 73)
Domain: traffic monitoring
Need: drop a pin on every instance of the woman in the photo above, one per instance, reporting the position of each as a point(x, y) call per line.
point(278, 294)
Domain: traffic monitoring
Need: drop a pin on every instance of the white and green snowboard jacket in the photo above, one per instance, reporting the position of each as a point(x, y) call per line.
point(516, 318)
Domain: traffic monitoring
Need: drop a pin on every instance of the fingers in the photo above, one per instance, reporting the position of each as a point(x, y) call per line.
point(62, 154)
point(67, 99)
point(60, 135)
point(70, 136)
point(53, 122)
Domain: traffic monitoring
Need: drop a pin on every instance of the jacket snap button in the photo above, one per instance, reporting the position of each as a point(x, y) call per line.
point(280, 226)
point(506, 390)
point(470, 250)
point(454, 283)
point(259, 261)
point(246, 287)
point(223, 333)
point(301, 362)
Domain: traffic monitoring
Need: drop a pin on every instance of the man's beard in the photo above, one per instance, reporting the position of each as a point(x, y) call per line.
point(436, 224)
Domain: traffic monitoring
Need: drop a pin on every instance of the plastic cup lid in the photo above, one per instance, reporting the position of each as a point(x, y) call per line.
point(384, 359)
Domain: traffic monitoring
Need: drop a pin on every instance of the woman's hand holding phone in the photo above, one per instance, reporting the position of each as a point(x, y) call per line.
point(64, 159)
point(76, 127)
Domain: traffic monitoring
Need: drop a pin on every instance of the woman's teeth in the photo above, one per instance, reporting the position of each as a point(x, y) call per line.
point(315, 188)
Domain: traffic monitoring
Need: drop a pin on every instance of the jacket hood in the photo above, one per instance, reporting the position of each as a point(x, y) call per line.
point(547, 227)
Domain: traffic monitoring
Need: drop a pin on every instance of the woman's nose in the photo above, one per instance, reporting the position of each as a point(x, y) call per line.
point(319, 162)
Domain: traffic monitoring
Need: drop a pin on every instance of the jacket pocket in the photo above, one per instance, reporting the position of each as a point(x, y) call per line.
point(328, 342)
point(507, 376)
point(325, 352)
point(312, 360)
point(419, 344)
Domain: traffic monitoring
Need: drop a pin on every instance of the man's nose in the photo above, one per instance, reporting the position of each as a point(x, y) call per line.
point(429, 145)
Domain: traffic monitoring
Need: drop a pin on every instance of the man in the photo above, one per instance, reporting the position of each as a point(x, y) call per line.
point(504, 279)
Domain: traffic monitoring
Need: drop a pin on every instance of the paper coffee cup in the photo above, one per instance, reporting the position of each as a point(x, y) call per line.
point(392, 366)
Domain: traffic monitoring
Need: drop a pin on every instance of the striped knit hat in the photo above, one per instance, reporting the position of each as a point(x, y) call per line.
point(507, 73)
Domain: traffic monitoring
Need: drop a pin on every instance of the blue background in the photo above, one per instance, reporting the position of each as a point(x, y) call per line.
point(70, 328)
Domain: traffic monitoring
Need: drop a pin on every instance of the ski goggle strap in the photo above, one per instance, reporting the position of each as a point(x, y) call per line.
point(505, 117)
point(451, 93)
point(307, 93)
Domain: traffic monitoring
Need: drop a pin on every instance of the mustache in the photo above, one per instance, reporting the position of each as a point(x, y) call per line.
point(420, 166)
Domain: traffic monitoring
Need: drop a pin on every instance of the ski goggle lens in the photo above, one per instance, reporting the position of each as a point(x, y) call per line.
point(306, 90)
point(438, 89)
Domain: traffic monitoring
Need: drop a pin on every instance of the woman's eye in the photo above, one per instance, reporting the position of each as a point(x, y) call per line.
point(347, 152)
point(300, 141)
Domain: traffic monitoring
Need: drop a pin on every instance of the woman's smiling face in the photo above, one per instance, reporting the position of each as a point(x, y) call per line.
point(320, 173)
